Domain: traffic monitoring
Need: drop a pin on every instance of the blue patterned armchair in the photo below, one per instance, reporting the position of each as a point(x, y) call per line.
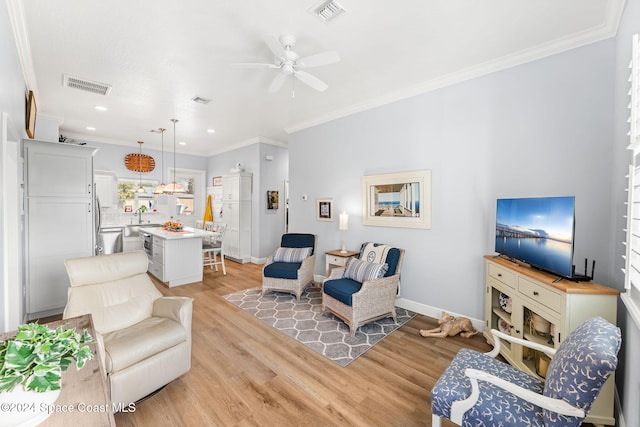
point(477, 389)
point(366, 288)
point(290, 268)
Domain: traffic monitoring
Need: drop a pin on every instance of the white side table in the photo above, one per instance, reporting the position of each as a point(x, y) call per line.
point(338, 259)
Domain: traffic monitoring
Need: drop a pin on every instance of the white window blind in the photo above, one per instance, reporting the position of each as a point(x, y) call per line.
point(631, 297)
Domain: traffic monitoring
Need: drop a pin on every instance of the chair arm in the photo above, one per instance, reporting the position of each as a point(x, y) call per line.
point(555, 405)
point(268, 261)
point(497, 335)
point(378, 286)
point(307, 268)
point(336, 273)
point(175, 308)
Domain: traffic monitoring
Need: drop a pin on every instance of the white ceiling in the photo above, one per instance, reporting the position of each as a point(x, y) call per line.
point(158, 55)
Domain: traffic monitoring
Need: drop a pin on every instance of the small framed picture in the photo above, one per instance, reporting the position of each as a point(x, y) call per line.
point(272, 199)
point(128, 208)
point(217, 181)
point(32, 110)
point(324, 210)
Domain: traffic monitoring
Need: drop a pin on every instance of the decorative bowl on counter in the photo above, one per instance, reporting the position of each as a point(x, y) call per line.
point(173, 226)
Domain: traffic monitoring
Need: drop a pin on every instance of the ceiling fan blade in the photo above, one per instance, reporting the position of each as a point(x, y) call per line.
point(253, 65)
point(277, 82)
point(275, 46)
point(319, 59)
point(311, 80)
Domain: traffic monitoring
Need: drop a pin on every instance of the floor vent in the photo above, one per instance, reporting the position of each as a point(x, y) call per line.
point(86, 85)
point(327, 10)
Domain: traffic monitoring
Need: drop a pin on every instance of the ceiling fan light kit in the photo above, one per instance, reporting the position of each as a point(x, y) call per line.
point(290, 64)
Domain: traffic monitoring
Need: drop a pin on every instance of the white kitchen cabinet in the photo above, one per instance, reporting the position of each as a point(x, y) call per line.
point(175, 259)
point(237, 187)
point(59, 220)
point(106, 189)
point(519, 296)
point(236, 213)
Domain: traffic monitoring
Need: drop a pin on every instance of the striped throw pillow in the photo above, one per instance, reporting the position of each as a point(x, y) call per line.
point(360, 271)
point(291, 254)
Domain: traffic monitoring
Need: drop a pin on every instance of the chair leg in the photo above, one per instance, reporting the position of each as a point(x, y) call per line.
point(436, 421)
point(224, 270)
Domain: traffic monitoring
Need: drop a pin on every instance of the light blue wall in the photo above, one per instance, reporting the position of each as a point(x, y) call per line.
point(267, 226)
point(111, 157)
point(538, 129)
point(273, 174)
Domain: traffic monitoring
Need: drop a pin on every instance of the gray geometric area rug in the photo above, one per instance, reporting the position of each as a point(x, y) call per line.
point(321, 332)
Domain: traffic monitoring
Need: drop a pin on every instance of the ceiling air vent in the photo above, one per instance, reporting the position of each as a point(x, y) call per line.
point(200, 100)
point(327, 10)
point(86, 85)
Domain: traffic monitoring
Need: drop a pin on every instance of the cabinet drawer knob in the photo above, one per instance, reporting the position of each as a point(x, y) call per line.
point(535, 293)
point(499, 274)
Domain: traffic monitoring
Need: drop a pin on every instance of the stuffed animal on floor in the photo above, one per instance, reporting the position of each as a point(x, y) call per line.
point(450, 326)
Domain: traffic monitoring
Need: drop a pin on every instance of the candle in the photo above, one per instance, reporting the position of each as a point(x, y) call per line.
point(344, 221)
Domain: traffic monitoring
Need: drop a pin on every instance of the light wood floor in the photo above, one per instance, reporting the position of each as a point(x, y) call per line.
point(246, 373)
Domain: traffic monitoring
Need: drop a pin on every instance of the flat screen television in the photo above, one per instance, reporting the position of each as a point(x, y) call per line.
point(538, 231)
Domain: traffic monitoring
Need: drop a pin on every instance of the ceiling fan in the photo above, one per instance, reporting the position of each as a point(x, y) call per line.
point(290, 64)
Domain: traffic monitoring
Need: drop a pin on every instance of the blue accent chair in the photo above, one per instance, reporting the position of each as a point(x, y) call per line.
point(357, 303)
point(477, 389)
point(291, 277)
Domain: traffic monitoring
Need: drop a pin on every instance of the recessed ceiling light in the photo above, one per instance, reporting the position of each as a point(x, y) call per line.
point(182, 143)
point(101, 108)
point(211, 130)
point(90, 128)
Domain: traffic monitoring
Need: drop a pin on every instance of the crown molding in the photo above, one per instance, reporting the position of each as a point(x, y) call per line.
point(15, 12)
point(601, 32)
point(248, 142)
point(93, 138)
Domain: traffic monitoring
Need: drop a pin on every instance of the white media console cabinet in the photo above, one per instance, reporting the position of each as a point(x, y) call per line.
point(535, 295)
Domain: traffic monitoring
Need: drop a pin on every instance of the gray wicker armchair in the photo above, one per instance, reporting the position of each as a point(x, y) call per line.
point(358, 302)
point(289, 269)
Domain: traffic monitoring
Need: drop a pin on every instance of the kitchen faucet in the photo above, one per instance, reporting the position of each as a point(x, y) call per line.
point(138, 213)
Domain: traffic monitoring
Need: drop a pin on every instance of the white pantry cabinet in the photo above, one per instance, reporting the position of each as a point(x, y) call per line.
point(236, 213)
point(59, 219)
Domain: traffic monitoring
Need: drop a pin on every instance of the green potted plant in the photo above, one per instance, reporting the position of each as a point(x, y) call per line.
point(31, 366)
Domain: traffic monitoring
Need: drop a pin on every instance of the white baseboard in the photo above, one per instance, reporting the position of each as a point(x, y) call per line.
point(256, 260)
point(435, 312)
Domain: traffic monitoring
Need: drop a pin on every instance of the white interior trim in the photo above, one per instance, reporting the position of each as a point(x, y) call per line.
point(16, 17)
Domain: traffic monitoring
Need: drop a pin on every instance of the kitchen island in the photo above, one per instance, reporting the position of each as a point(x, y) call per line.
point(175, 257)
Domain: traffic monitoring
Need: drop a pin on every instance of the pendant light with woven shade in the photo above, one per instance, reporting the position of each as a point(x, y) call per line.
point(174, 187)
point(160, 188)
point(140, 188)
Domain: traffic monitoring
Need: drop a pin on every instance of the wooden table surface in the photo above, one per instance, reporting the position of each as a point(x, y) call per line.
point(84, 398)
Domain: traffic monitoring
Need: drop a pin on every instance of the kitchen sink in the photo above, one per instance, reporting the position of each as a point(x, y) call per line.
point(133, 230)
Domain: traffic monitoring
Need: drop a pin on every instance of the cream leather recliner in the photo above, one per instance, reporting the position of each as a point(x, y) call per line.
point(143, 337)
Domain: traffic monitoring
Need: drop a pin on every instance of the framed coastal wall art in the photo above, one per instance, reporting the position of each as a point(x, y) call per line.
point(397, 199)
point(324, 209)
